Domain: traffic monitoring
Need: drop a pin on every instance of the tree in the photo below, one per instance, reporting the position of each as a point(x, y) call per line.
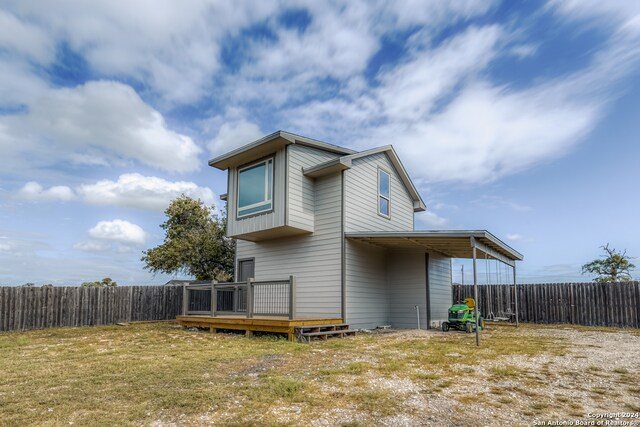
point(615, 267)
point(194, 243)
point(108, 282)
point(105, 282)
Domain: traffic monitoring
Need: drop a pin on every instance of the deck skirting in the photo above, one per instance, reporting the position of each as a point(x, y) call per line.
point(260, 324)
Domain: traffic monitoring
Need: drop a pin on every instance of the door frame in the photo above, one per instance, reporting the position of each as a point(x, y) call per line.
point(240, 260)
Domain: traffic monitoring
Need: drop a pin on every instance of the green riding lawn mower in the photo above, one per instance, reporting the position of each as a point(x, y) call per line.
point(463, 318)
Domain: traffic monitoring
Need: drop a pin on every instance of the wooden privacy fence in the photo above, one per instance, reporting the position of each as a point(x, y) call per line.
point(591, 304)
point(26, 308)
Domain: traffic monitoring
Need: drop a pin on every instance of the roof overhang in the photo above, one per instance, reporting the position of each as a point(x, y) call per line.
point(451, 243)
point(268, 145)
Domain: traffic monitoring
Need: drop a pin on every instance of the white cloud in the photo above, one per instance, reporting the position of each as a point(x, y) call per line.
point(171, 47)
point(233, 134)
point(134, 190)
point(26, 39)
point(448, 120)
point(338, 45)
point(92, 246)
point(119, 231)
point(410, 91)
point(96, 123)
point(524, 50)
point(34, 191)
point(18, 86)
point(431, 219)
point(615, 14)
point(20, 247)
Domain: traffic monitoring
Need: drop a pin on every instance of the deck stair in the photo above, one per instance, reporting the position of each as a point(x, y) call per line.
point(323, 332)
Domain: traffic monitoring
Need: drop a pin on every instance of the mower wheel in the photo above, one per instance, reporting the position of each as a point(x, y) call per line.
point(468, 327)
point(445, 326)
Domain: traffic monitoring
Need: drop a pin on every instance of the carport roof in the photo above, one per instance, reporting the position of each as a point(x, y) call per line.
point(452, 243)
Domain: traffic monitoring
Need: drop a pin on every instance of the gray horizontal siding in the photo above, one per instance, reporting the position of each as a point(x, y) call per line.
point(361, 202)
point(366, 274)
point(439, 287)
point(301, 189)
point(407, 279)
point(314, 259)
point(260, 222)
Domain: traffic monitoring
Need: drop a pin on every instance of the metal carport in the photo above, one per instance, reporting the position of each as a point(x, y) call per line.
point(451, 243)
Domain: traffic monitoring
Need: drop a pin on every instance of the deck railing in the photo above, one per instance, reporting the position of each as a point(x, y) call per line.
point(250, 298)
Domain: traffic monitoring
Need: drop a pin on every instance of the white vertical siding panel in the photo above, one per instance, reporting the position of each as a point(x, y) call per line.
point(439, 287)
point(367, 298)
point(314, 259)
point(301, 204)
point(407, 277)
point(361, 203)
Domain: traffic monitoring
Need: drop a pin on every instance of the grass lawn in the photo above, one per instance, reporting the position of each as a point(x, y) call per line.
point(160, 374)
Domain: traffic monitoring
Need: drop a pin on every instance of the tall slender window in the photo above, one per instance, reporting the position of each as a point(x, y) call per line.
point(384, 193)
point(255, 188)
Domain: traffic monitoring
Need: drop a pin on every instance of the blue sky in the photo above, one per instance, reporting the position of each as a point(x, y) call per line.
point(516, 117)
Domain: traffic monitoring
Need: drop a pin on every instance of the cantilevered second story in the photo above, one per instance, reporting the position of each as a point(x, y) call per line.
point(279, 184)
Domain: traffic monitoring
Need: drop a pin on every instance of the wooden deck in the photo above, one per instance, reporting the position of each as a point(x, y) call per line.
point(255, 324)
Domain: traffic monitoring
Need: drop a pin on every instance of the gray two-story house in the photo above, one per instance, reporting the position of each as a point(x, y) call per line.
point(342, 223)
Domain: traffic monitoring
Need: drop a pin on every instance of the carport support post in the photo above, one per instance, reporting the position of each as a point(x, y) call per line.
point(515, 292)
point(475, 291)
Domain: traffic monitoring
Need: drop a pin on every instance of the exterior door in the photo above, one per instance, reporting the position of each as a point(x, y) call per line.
point(246, 269)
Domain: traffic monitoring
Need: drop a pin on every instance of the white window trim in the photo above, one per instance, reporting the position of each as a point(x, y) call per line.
point(266, 201)
point(388, 199)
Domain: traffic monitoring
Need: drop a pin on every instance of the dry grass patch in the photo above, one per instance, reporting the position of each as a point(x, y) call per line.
point(160, 373)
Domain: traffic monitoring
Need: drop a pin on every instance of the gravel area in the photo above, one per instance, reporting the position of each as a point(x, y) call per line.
point(587, 372)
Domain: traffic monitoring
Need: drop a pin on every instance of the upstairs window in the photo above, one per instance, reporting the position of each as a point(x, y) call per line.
point(384, 193)
point(255, 188)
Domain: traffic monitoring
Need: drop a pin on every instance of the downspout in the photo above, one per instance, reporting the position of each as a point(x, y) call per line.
point(343, 263)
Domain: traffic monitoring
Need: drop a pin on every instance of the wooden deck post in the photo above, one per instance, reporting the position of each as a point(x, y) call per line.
point(250, 297)
point(185, 300)
point(292, 297)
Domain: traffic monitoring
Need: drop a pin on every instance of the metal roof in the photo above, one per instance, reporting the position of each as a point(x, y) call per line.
point(452, 243)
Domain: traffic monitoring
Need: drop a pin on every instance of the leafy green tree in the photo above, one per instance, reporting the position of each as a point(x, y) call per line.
point(105, 282)
point(194, 243)
point(90, 284)
point(108, 282)
point(614, 267)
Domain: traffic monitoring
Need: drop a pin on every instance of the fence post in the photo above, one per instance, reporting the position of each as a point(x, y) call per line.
point(292, 297)
point(185, 300)
point(250, 297)
point(213, 298)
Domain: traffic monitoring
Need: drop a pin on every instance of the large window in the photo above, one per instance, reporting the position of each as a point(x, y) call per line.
point(255, 188)
point(384, 193)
